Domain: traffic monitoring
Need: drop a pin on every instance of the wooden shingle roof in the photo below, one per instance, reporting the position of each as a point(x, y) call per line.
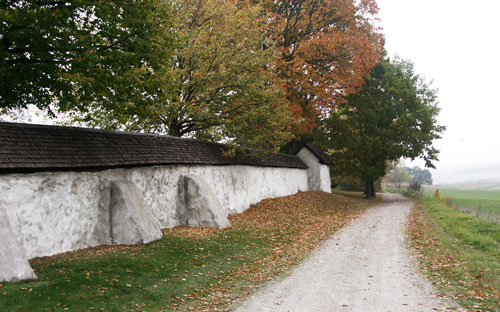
point(31, 148)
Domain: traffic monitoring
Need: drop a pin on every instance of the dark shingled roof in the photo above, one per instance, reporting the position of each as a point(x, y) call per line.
point(31, 148)
point(323, 158)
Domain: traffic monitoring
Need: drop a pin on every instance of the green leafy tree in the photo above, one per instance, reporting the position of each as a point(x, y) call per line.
point(423, 176)
point(399, 175)
point(73, 55)
point(392, 116)
point(220, 86)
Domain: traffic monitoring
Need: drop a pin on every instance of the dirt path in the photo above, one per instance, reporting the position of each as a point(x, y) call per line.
point(363, 267)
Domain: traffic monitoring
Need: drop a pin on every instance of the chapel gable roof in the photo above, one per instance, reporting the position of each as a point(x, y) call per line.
point(322, 156)
point(31, 148)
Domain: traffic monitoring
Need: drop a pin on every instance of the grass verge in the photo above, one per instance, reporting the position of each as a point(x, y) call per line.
point(460, 253)
point(189, 269)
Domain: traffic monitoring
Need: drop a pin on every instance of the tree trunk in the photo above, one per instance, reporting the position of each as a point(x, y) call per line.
point(374, 191)
point(370, 189)
point(174, 128)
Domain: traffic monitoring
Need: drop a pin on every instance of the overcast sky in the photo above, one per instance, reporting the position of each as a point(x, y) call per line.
point(456, 44)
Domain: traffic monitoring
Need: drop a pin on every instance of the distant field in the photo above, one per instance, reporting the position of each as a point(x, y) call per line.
point(483, 199)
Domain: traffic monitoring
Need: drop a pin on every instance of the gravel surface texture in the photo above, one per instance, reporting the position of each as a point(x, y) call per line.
point(365, 266)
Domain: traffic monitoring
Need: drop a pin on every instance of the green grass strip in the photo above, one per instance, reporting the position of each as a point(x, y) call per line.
point(460, 252)
point(188, 269)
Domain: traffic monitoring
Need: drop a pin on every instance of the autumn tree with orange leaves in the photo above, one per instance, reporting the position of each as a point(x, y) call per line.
point(326, 47)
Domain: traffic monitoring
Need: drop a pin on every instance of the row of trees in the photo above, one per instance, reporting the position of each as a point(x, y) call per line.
point(257, 73)
point(253, 73)
point(399, 175)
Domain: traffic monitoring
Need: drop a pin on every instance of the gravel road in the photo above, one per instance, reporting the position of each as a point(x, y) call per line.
point(363, 267)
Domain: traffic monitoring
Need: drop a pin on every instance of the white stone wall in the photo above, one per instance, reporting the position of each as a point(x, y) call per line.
point(54, 212)
point(326, 183)
point(318, 174)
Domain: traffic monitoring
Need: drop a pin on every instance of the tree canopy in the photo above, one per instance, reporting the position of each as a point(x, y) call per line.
point(75, 53)
point(251, 73)
point(219, 83)
point(325, 48)
point(423, 176)
point(392, 116)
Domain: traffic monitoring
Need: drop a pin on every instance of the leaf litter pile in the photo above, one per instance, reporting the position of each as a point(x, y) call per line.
point(189, 269)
